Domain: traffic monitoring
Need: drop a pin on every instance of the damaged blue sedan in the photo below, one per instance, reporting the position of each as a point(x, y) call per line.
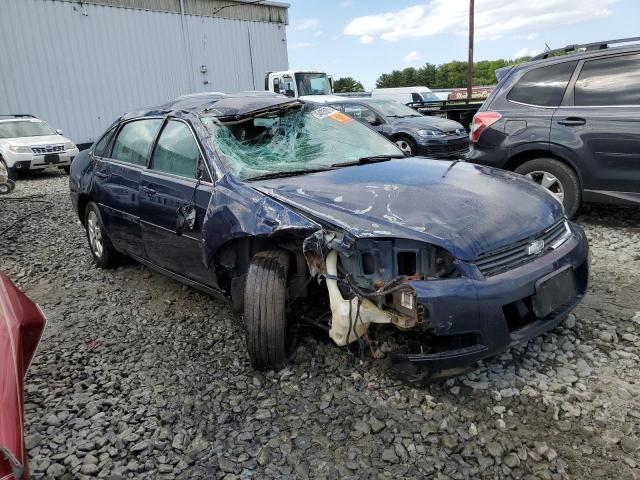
point(299, 214)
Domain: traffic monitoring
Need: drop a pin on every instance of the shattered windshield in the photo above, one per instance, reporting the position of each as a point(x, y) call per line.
point(294, 140)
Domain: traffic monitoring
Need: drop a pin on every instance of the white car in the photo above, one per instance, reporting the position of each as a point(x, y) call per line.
point(28, 143)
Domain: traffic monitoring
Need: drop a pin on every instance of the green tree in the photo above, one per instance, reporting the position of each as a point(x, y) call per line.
point(346, 85)
point(447, 75)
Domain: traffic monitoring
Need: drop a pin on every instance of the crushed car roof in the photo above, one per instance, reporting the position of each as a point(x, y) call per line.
point(217, 104)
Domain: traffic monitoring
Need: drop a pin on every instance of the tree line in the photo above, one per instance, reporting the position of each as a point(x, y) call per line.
point(447, 75)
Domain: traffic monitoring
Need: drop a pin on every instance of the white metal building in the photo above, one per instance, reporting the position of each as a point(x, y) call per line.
point(81, 64)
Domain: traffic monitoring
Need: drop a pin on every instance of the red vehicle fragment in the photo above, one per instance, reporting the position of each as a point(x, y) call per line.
point(21, 326)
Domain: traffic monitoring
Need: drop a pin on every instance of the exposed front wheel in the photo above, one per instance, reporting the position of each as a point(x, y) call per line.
point(407, 145)
point(556, 177)
point(102, 251)
point(66, 169)
point(11, 172)
point(5, 188)
point(265, 298)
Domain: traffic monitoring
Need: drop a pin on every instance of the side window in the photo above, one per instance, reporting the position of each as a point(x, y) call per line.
point(415, 97)
point(176, 152)
point(134, 141)
point(543, 86)
point(360, 112)
point(276, 85)
point(288, 87)
point(609, 81)
point(99, 149)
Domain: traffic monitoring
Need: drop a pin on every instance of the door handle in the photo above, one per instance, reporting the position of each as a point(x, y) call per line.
point(149, 190)
point(100, 174)
point(572, 121)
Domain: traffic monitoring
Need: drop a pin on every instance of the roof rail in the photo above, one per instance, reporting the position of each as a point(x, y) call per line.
point(587, 46)
point(16, 115)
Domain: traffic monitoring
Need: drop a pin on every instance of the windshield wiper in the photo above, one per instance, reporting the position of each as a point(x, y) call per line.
point(372, 159)
point(292, 173)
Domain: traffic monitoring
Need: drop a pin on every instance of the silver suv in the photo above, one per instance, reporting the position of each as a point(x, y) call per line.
point(28, 143)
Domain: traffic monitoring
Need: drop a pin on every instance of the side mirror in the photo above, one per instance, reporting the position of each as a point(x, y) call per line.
point(376, 122)
point(59, 132)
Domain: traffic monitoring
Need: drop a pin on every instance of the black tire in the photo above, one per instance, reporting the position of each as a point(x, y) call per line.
point(5, 188)
point(66, 169)
point(11, 172)
point(564, 174)
point(265, 299)
point(107, 256)
point(410, 142)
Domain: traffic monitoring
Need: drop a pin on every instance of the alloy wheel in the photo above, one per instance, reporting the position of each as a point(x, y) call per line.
point(404, 146)
point(548, 181)
point(95, 235)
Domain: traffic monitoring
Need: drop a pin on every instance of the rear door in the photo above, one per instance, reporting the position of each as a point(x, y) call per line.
point(119, 176)
point(527, 109)
point(599, 122)
point(174, 196)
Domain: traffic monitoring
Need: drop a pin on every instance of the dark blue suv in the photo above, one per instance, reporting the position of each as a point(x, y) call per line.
point(297, 213)
point(570, 123)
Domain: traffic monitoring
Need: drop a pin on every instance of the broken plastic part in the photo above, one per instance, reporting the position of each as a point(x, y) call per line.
point(349, 321)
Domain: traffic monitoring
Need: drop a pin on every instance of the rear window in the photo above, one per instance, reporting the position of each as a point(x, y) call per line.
point(543, 86)
point(134, 140)
point(609, 81)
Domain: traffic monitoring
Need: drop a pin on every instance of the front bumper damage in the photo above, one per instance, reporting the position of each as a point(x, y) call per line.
point(456, 322)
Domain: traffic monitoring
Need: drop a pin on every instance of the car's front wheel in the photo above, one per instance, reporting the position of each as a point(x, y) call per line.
point(265, 297)
point(407, 145)
point(5, 188)
point(556, 177)
point(102, 251)
point(11, 172)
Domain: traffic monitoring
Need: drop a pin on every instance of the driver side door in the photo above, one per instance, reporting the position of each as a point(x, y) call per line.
point(174, 195)
point(365, 115)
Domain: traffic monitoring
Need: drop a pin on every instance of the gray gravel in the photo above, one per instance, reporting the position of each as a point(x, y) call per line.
point(140, 377)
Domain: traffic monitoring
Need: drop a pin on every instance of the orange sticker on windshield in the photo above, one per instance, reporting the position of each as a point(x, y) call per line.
point(340, 117)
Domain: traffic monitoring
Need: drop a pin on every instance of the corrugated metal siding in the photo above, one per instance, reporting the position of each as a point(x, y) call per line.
point(236, 10)
point(80, 70)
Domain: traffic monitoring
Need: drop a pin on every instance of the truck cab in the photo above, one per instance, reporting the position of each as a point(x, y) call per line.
point(306, 85)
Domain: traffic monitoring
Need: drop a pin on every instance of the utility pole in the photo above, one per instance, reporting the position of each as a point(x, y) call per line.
point(470, 64)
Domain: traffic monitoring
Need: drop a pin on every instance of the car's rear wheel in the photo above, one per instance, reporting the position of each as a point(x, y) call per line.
point(265, 298)
point(406, 144)
point(556, 177)
point(102, 251)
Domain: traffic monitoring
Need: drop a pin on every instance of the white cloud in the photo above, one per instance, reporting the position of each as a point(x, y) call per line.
point(305, 24)
point(412, 57)
point(367, 39)
point(335, 37)
point(493, 18)
point(525, 52)
point(317, 33)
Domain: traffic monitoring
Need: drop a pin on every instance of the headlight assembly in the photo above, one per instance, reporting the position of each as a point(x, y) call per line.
point(19, 149)
point(69, 146)
point(431, 133)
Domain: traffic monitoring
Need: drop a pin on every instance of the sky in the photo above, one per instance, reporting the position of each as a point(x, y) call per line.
point(364, 38)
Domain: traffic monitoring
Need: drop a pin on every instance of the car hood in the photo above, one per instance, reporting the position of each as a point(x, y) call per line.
point(39, 140)
point(465, 208)
point(416, 123)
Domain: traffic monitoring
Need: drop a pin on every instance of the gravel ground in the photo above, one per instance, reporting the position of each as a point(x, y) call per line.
point(138, 376)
